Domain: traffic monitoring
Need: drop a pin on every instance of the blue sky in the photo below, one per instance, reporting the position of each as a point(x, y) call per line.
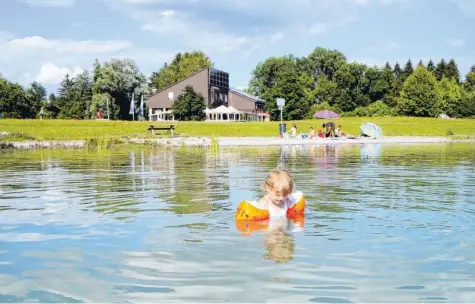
point(44, 39)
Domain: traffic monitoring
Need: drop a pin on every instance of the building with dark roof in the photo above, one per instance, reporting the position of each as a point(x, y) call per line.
point(222, 101)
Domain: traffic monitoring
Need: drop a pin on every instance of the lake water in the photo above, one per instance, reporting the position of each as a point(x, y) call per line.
point(383, 223)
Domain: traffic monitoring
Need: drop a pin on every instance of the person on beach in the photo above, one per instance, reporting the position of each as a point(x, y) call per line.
point(338, 132)
point(278, 185)
point(293, 131)
point(311, 133)
point(329, 129)
point(320, 133)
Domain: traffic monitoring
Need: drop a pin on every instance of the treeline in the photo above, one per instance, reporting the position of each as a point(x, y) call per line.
point(322, 80)
point(326, 80)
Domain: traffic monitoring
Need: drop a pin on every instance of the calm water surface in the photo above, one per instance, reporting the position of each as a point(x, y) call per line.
point(383, 223)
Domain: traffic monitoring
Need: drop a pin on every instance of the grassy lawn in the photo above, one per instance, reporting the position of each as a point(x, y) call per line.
point(83, 129)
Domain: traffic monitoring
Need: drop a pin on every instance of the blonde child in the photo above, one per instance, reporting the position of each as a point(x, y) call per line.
point(278, 185)
point(293, 131)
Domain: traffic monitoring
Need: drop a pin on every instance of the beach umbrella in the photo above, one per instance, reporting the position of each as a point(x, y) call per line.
point(326, 114)
point(371, 130)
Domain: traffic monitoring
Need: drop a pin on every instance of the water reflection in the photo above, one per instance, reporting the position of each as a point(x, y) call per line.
point(153, 224)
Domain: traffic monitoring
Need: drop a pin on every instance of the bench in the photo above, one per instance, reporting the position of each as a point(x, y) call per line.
point(153, 128)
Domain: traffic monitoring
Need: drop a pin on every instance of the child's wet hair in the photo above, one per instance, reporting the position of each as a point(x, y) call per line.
point(280, 179)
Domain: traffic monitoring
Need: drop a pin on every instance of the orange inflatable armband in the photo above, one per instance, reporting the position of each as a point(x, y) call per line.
point(298, 205)
point(250, 218)
point(250, 211)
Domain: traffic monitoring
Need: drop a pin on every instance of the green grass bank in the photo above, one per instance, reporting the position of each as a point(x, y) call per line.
point(21, 130)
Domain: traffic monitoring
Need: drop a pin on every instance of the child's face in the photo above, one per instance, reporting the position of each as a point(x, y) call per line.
point(276, 196)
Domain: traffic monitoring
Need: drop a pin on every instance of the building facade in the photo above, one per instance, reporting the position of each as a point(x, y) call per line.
point(213, 84)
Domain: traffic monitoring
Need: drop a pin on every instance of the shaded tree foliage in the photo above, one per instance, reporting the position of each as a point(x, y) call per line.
point(189, 105)
point(14, 101)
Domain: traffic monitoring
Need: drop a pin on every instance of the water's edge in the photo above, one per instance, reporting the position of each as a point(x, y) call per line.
point(238, 141)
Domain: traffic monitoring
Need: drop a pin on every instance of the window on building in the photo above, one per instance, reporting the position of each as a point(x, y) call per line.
point(219, 78)
point(170, 95)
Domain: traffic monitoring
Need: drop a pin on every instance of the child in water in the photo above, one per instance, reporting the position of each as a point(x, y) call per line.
point(280, 210)
point(279, 185)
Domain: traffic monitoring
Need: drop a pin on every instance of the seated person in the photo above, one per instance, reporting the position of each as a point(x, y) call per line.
point(311, 133)
point(320, 133)
point(339, 133)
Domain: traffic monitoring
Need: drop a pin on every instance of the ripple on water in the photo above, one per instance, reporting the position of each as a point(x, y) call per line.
point(141, 224)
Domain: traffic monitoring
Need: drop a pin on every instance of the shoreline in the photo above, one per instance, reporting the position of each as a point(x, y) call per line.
point(241, 141)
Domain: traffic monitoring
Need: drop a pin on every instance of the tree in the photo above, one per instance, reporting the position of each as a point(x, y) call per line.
point(420, 63)
point(119, 80)
point(469, 84)
point(322, 62)
point(440, 69)
point(280, 77)
point(418, 95)
point(189, 105)
point(452, 71)
point(407, 71)
point(382, 85)
point(181, 67)
point(431, 66)
point(353, 87)
point(51, 109)
point(399, 80)
point(325, 91)
point(467, 107)
point(450, 97)
point(14, 101)
point(37, 96)
point(75, 96)
point(397, 71)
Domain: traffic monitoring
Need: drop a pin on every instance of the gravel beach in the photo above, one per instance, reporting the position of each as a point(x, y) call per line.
point(246, 141)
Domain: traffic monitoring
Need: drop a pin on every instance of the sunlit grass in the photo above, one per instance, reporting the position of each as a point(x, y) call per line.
point(86, 129)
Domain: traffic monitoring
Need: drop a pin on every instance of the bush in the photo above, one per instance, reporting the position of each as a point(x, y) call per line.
point(376, 109)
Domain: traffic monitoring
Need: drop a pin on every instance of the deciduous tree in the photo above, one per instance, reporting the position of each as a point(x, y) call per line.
point(418, 95)
point(189, 105)
point(181, 67)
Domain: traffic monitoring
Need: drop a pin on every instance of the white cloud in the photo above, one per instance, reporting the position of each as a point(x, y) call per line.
point(54, 3)
point(37, 43)
point(48, 60)
point(185, 23)
point(53, 74)
point(184, 28)
point(456, 42)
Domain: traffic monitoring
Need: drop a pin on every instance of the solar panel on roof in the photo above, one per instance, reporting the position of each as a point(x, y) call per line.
point(247, 95)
